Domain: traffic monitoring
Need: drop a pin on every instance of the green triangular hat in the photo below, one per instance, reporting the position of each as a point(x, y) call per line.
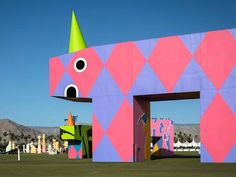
point(76, 37)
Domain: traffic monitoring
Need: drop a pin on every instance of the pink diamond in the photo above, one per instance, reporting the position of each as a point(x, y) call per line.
point(218, 132)
point(72, 152)
point(120, 131)
point(169, 59)
point(86, 79)
point(217, 56)
point(97, 132)
point(124, 65)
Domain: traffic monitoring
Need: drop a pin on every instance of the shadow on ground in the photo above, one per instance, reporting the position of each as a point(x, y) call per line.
point(176, 156)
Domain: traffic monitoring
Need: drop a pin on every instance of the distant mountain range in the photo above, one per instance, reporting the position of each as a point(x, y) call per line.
point(11, 130)
point(188, 129)
point(20, 133)
point(55, 131)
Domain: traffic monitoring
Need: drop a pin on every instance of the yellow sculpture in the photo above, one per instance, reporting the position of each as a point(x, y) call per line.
point(39, 145)
point(43, 144)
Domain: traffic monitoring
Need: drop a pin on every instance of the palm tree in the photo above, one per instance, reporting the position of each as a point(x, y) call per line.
point(189, 138)
point(29, 137)
point(22, 136)
point(5, 133)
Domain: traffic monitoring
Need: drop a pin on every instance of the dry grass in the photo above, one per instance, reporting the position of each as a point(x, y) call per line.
point(59, 166)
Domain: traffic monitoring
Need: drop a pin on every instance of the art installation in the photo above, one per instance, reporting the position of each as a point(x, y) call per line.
point(39, 149)
point(28, 148)
point(33, 149)
point(55, 145)
point(43, 144)
point(79, 138)
point(162, 133)
point(11, 148)
point(121, 79)
point(51, 150)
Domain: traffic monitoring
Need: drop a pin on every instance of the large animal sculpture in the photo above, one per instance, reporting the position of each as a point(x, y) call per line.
point(121, 79)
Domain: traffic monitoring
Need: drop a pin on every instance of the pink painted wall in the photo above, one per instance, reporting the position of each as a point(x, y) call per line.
point(165, 129)
point(141, 130)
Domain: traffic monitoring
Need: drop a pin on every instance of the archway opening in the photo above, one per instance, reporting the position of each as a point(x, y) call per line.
point(162, 138)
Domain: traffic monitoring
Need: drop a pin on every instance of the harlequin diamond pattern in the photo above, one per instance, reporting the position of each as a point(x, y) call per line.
point(56, 73)
point(120, 131)
point(127, 71)
point(104, 51)
point(86, 79)
point(217, 56)
point(192, 41)
point(72, 152)
point(228, 90)
point(217, 125)
point(169, 59)
point(124, 65)
point(146, 46)
point(64, 82)
point(97, 132)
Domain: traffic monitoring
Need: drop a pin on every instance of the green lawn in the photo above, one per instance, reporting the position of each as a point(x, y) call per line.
point(59, 166)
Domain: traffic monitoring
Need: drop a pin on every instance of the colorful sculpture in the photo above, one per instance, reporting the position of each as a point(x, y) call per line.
point(39, 148)
point(79, 139)
point(55, 145)
point(33, 149)
point(9, 147)
point(76, 38)
point(121, 79)
point(43, 144)
point(162, 132)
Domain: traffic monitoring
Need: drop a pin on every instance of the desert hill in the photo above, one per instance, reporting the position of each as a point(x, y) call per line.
point(188, 129)
point(22, 134)
point(10, 130)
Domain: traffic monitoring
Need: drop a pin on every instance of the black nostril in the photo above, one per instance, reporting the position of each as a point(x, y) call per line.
point(71, 92)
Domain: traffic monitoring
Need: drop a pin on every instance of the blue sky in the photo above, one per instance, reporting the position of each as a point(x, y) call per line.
point(32, 31)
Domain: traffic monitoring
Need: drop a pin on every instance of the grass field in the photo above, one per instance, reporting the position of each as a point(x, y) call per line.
point(59, 166)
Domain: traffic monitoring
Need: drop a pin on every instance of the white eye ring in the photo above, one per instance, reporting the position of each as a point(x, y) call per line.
point(80, 64)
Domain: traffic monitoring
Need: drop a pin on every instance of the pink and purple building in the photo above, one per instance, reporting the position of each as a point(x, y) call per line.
point(121, 79)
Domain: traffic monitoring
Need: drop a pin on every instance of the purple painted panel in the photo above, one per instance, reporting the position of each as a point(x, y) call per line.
point(147, 83)
point(105, 86)
point(205, 156)
point(228, 90)
point(104, 51)
point(231, 79)
point(231, 157)
point(229, 96)
point(185, 83)
point(64, 82)
point(192, 41)
point(146, 46)
point(105, 152)
point(105, 108)
point(65, 59)
point(233, 32)
point(206, 96)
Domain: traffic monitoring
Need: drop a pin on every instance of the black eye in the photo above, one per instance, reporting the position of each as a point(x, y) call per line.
point(80, 64)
